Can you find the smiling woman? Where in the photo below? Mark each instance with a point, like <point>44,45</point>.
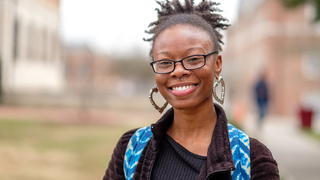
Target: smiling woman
<point>186,88</point>
<point>193,139</point>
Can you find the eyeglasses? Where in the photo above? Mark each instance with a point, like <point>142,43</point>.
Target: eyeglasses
<point>166,66</point>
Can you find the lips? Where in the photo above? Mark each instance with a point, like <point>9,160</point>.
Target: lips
<point>183,89</point>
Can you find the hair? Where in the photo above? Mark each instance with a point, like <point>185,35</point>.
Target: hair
<point>205,15</point>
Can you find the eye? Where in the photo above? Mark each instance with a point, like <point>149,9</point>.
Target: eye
<point>194,59</point>
<point>164,63</point>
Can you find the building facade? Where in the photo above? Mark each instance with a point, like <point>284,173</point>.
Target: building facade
<point>30,48</point>
<point>283,44</point>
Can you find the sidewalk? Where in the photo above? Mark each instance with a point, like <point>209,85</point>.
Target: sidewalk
<point>298,155</point>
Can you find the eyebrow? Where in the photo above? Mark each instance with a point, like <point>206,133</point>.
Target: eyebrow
<point>195,48</point>
<point>187,51</point>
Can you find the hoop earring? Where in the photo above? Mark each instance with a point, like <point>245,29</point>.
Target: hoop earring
<point>158,108</point>
<point>223,87</point>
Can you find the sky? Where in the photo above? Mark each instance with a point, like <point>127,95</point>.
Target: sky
<point>116,26</point>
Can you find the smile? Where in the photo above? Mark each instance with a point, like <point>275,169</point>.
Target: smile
<point>182,90</point>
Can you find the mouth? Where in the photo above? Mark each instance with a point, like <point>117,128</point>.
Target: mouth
<point>183,89</point>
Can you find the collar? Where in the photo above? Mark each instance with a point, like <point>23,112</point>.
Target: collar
<point>219,157</point>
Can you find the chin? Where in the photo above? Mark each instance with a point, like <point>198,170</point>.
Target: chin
<point>184,105</point>
<point>190,104</point>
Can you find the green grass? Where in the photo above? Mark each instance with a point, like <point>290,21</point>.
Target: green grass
<point>313,134</point>
<point>41,150</point>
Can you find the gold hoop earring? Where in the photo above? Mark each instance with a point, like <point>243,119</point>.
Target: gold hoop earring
<point>158,108</point>
<point>223,87</point>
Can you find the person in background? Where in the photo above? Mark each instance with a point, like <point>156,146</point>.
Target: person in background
<point>193,139</point>
<point>261,94</point>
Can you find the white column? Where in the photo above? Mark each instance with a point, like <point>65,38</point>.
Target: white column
<point>9,10</point>
<point>1,25</point>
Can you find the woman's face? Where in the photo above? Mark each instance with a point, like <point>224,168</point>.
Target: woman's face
<point>182,88</point>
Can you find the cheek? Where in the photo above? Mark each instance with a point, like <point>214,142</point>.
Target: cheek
<point>161,85</point>
<point>160,81</point>
<point>157,79</point>
<point>208,79</point>
<point>208,73</point>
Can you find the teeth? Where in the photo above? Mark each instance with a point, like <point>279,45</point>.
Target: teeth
<point>182,88</point>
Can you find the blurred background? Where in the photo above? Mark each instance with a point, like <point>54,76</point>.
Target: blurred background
<point>74,76</point>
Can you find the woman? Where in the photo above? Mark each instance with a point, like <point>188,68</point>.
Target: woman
<point>192,140</point>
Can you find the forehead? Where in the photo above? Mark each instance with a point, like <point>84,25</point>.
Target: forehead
<point>181,37</point>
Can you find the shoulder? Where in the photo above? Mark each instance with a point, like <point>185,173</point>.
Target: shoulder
<point>123,142</point>
<point>115,167</point>
<point>259,149</point>
<point>124,139</point>
<point>263,165</point>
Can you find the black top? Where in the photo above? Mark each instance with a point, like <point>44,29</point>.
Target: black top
<point>219,157</point>
<point>176,161</point>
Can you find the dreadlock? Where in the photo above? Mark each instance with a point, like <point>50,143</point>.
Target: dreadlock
<point>205,15</point>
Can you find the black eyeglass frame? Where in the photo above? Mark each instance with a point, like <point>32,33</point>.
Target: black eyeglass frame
<point>181,61</point>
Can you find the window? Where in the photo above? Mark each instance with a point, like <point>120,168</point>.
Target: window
<point>15,42</point>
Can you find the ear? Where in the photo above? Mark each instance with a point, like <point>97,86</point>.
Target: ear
<point>218,65</point>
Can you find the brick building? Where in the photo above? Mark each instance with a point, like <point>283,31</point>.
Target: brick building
<point>87,70</point>
<point>283,43</point>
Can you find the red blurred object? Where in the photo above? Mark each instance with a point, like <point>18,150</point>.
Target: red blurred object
<point>306,115</point>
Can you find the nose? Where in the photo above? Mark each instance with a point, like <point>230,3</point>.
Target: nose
<point>180,71</point>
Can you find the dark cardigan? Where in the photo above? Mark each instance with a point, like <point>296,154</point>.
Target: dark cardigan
<point>219,158</point>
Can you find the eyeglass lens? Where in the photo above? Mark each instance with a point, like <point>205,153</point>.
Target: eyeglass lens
<point>189,63</point>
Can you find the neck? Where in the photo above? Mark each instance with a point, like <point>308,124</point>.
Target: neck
<point>195,122</point>
<point>193,127</point>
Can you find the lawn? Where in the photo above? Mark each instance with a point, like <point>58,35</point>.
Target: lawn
<point>38,150</point>
<point>313,134</point>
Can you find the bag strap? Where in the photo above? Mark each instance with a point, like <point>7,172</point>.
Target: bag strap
<point>239,144</point>
<point>136,145</point>
<point>240,149</point>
